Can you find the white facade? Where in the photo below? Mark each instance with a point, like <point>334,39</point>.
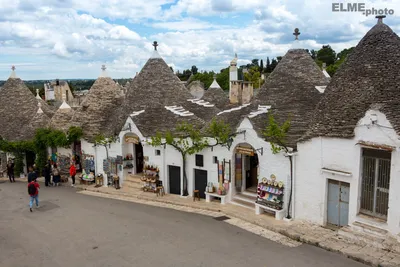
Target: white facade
<point>318,156</point>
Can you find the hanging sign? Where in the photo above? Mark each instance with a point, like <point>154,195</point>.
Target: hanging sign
<point>132,139</point>
<point>245,151</point>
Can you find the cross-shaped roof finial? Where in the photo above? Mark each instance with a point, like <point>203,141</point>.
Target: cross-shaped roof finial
<point>13,67</point>
<point>155,44</point>
<point>380,18</point>
<point>103,67</point>
<point>296,33</point>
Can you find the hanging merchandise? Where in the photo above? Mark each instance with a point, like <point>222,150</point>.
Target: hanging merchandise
<point>270,193</point>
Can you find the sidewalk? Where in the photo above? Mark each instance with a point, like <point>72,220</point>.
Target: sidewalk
<point>299,231</point>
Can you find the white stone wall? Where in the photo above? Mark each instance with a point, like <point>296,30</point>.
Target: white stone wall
<point>344,155</point>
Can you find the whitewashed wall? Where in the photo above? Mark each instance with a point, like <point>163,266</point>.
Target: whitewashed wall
<point>344,155</point>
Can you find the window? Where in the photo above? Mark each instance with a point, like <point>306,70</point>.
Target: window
<point>215,159</point>
<point>199,160</point>
<point>375,181</point>
<point>158,152</point>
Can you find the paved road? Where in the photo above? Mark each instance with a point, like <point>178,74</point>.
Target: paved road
<point>71,229</point>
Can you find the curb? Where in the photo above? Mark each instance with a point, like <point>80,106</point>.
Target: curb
<point>285,232</point>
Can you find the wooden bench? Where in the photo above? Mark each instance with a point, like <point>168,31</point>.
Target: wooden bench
<point>210,196</point>
<point>279,214</point>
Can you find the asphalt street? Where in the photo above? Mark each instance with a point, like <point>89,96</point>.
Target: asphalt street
<point>70,229</point>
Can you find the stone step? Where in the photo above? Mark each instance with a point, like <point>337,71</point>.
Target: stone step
<point>361,238</point>
<point>244,204</point>
<point>369,229</point>
<point>246,198</point>
<point>250,194</point>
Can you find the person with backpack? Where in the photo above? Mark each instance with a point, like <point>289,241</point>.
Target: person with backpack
<point>72,172</point>
<point>56,175</point>
<point>31,175</point>
<point>33,191</point>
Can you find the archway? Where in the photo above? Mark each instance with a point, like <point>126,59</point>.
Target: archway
<point>246,169</point>
<point>133,154</point>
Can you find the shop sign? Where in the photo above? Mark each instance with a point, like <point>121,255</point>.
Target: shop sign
<point>245,151</point>
<point>132,139</point>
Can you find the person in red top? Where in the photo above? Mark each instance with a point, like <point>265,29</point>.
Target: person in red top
<point>33,191</point>
<point>72,172</point>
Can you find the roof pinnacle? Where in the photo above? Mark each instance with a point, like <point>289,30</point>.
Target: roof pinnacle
<point>380,19</point>
<point>13,67</point>
<point>103,67</point>
<point>296,33</point>
<point>155,44</point>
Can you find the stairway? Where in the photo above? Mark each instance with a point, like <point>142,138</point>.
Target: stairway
<point>245,199</point>
<point>366,234</point>
<point>132,181</point>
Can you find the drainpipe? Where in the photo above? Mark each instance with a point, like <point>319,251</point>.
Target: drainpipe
<point>290,208</point>
<point>165,169</point>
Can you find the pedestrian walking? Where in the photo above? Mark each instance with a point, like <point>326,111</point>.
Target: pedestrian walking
<point>33,191</point>
<point>31,175</point>
<point>72,172</point>
<point>10,171</point>
<point>47,174</point>
<point>56,175</point>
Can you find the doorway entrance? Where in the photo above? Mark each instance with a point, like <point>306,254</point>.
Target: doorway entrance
<point>30,159</point>
<point>200,181</point>
<point>338,203</point>
<point>139,157</point>
<point>174,179</point>
<point>246,169</point>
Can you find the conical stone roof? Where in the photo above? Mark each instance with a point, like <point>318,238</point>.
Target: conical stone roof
<point>40,120</point>
<point>157,88</point>
<point>214,94</point>
<point>47,109</point>
<point>370,77</point>
<point>17,107</point>
<point>100,103</point>
<point>64,118</point>
<point>291,91</point>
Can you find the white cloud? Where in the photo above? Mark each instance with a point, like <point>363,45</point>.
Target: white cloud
<point>68,35</point>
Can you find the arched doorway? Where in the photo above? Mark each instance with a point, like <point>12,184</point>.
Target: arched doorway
<point>246,169</point>
<point>133,154</point>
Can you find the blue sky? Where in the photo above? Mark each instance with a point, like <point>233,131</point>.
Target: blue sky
<point>49,39</point>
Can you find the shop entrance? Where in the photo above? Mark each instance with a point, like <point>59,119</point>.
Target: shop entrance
<point>174,179</point>
<point>139,157</point>
<point>246,169</point>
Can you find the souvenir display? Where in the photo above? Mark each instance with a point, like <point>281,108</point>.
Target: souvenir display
<point>270,193</point>
<point>150,178</point>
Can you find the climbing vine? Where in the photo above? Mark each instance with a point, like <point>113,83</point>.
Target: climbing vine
<point>44,138</point>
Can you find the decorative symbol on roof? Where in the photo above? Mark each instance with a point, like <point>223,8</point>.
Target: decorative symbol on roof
<point>103,67</point>
<point>13,67</point>
<point>179,111</point>
<point>380,18</point>
<point>261,110</point>
<point>155,44</point>
<point>201,102</point>
<point>296,33</point>
<point>233,109</point>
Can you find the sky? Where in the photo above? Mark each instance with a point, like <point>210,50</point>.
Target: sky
<point>71,39</point>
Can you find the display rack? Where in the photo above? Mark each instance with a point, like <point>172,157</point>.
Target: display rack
<point>150,179</point>
<point>270,194</point>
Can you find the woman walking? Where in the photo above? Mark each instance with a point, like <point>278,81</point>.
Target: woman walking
<point>47,174</point>
<point>56,175</point>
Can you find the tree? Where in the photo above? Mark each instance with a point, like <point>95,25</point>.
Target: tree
<point>206,78</point>
<point>101,140</point>
<point>268,68</point>
<point>188,140</point>
<point>278,59</point>
<point>253,75</point>
<point>194,70</point>
<point>276,135</point>
<point>341,57</point>
<point>274,63</point>
<point>261,69</point>
<point>254,62</point>
<point>223,79</point>
<point>326,55</point>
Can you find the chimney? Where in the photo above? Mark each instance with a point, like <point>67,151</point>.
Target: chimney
<point>247,92</point>
<point>380,19</point>
<point>234,92</point>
